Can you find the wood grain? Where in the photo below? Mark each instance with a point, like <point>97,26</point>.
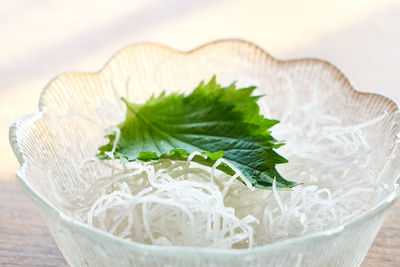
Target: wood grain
<point>25,240</point>
<point>385,250</point>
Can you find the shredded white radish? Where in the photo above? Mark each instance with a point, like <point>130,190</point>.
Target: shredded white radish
<point>332,160</point>
<point>155,205</point>
<point>185,204</point>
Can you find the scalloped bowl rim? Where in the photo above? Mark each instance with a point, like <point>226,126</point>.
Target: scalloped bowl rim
<point>50,208</point>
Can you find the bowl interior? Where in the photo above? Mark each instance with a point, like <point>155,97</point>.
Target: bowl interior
<point>52,143</point>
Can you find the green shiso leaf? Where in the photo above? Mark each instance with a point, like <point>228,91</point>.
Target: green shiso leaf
<point>217,121</point>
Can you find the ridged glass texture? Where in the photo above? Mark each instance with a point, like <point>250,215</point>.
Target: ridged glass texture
<point>51,143</point>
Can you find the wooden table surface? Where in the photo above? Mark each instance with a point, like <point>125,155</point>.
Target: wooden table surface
<point>25,240</point>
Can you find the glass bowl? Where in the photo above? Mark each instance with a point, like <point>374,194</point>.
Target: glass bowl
<point>51,143</point>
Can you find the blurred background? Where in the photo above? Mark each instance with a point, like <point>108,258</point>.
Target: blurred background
<point>42,38</point>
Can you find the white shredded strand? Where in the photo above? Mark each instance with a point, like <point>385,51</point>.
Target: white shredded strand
<point>183,203</point>
<point>190,158</point>
<point>333,160</point>
<point>179,209</point>
<point>237,171</point>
